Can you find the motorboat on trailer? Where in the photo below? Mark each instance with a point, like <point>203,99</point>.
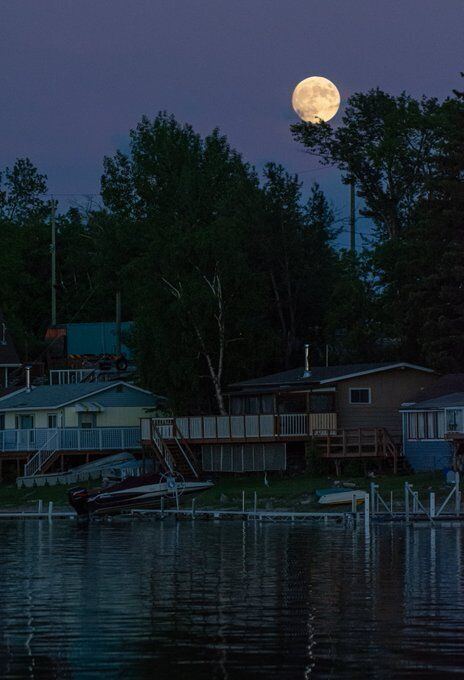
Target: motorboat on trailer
<point>145,492</point>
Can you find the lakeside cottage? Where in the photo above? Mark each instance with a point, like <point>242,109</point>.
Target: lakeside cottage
<point>344,412</point>
<point>433,426</point>
<point>41,424</point>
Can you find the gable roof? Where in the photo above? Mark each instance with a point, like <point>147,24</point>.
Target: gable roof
<point>8,354</point>
<point>57,396</point>
<point>320,375</point>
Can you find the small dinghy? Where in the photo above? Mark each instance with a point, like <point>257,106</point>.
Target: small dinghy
<point>134,493</point>
<point>344,497</point>
<point>332,489</point>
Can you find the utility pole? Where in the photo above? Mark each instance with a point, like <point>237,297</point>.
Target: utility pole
<point>53,254</point>
<point>353,215</point>
<point>118,322</point>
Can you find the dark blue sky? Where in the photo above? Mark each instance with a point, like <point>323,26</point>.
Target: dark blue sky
<point>76,75</point>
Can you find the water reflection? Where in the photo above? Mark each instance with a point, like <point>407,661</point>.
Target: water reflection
<point>229,600</point>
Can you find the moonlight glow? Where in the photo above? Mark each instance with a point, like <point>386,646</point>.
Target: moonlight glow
<point>315,99</point>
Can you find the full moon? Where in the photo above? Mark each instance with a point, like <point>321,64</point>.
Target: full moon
<point>315,99</point>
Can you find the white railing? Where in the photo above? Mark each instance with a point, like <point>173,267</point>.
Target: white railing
<point>38,460</point>
<point>158,440</point>
<point>70,439</point>
<point>293,424</point>
<point>243,427</point>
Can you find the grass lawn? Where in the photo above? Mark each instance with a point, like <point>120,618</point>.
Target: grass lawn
<point>298,492</point>
<point>295,493</point>
<point>26,499</point>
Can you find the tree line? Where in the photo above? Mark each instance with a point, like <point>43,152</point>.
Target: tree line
<point>227,274</point>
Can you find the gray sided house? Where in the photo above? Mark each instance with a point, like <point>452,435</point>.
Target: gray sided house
<point>349,411</point>
<point>433,425</point>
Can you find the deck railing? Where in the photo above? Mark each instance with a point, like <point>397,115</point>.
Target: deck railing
<point>244,427</point>
<point>70,439</point>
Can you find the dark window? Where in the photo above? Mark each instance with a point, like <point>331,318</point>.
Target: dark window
<point>2,421</point>
<point>360,395</point>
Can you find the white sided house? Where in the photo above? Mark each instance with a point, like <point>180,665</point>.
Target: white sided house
<point>82,417</point>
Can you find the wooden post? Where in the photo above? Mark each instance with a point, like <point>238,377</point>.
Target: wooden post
<point>243,501</point>
<point>372,495</point>
<point>255,502</point>
<point>50,509</point>
<point>193,508</point>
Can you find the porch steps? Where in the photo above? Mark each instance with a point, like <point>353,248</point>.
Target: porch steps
<point>173,452</point>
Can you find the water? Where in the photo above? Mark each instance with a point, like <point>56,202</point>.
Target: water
<point>229,600</point>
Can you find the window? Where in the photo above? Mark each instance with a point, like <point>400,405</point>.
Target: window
<point>454,420</point>
<point>2,421</point>
<point>426,425</point>
<point>52,421</point>
<point>24,422</point>
<point>360,395</point>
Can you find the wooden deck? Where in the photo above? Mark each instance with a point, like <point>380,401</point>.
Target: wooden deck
<point>331,443</point>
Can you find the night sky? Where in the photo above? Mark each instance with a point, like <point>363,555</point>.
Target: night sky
<point>76,75</point>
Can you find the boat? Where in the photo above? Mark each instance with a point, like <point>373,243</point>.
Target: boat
<point>343,497</point>
<point>332,489</point>
<point>144,492</point>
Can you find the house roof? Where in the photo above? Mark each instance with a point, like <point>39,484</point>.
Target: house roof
<point>320,375</point>
<point>437,403</point>
<point>8,353</point>
<point>56,396</point>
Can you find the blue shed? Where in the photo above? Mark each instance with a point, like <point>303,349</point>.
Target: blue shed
<point>96,338</point>
<point>433,432</point>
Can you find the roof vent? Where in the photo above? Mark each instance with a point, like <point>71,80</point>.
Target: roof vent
<point>307,370</point>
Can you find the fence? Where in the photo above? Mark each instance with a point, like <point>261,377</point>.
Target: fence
<point>70,439</point>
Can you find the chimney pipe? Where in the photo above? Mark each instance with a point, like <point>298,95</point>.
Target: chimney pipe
<point>28,378</point>
<point>307,371</point>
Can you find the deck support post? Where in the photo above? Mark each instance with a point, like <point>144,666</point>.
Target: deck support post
<point>243,501</point>
<point>50,509</point>
<point>337,467</point>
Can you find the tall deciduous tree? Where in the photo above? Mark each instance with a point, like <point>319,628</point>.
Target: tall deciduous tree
<point>189,208</point>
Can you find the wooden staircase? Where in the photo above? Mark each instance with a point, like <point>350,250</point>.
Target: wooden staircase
<point>173,452</point>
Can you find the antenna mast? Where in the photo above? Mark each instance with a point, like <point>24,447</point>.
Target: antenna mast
<point>53,254</point>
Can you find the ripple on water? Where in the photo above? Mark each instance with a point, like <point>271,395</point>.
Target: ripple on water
<point>229,600</point>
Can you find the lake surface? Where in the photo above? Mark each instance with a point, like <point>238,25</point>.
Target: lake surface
<point>229,600</point>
